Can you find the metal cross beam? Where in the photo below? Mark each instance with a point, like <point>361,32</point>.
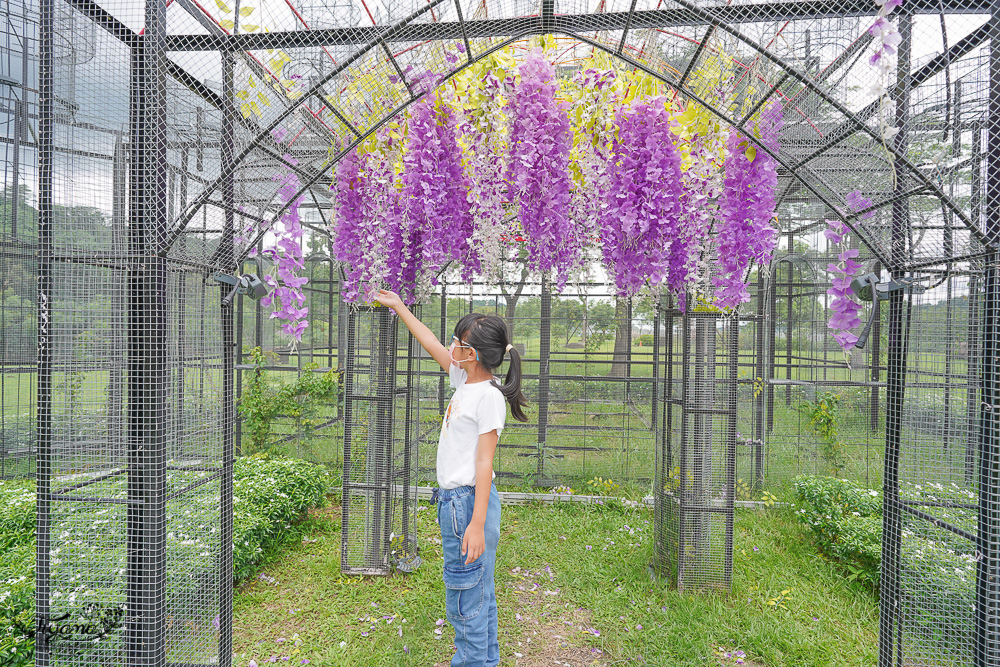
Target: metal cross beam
<point>548,22</point>
<point>935,65</point>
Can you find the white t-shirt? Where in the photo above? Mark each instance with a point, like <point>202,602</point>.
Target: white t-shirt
<point>474,409</point>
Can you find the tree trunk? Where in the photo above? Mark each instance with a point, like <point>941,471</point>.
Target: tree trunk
<point>623,335</point>
<point>511,310</point>
<point>512,298</point>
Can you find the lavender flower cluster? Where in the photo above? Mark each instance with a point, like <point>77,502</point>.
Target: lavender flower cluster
<point>538,177</point>
<point>438,219</point>
<point>747,207</point>
<point>286,254</point>
<point>641,194</point>
<point>641,221</point>
<point>846,310</point>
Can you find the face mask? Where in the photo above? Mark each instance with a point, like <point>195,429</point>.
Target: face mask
<point>451,353</point>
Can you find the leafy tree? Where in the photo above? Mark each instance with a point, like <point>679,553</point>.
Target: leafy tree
<point>601,325</point>
<point>567,318</point>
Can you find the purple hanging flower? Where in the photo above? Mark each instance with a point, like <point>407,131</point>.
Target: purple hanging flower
<point>353,223</point>
<point>538,178</point>
<point>746,208</point>
<point>642,215</point>
<point>484,130</point>
<point>287,256</point>
<point>594,128</point>
<point>846,310</point>
<point>438,223</point>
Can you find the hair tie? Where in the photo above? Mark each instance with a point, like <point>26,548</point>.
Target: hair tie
<point>508,348</point>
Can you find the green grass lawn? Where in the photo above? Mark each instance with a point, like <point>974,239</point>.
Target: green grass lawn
<point>560,601</point>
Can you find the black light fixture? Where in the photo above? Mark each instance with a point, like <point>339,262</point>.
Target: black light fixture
<point>868,288</point>
<point>248,284</point>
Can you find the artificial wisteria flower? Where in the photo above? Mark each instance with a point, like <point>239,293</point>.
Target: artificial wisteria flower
<point>846,309</point>
<point>538,178</point>
<point>435,193</point>
<point>593,120</point>
<point>484,131</point>
<point>287,256</point>
<point>746,208</point>
<point>642,215</point>
<point>353,224</point>
<point>383,250</point>
<point>702,186</point>
<point>887,39</point>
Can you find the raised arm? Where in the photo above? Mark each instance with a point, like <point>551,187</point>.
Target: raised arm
<point>420,331</point>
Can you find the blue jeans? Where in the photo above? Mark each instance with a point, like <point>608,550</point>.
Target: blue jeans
<point>470,597</point>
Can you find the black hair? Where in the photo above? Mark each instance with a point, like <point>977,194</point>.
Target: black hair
<point>489,336</point>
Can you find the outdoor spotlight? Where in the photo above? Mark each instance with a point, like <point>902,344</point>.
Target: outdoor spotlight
<point>255,286</point>
<point>248,284</point>
<point>868,288</point>
<point>864,287</point>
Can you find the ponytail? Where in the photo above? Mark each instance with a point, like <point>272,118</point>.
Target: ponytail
<point>511,387</point>
<point>489,336</point>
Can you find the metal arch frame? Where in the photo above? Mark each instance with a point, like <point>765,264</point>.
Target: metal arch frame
<point>848,116</point>
<point>799,171</point>
<point>568,25</point>
<point>316,89</point>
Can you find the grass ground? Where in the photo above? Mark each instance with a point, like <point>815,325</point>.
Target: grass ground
<point>560,601</point>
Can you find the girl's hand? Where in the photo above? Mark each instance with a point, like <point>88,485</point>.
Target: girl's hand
<point>474,542</point>
<point>389,299</point>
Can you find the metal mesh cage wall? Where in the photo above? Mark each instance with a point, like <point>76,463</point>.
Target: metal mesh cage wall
<point>813,55</point>
<point>381,448</point>
<point>316,433</point>
<point>18,237</point>
<point>696,460</point>
<point>135,395</point>
<point>589,365</point>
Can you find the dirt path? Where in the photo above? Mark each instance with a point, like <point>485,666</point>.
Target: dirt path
<point>549,632</point>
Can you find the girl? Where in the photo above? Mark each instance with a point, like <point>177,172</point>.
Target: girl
<point>467,500</point>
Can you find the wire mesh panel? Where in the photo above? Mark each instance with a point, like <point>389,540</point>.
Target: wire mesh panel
<point>933,519</point>
<point>380,449</point>
<point>166,139</point>
<point>588,369</point>
<point>135,393</point>
<point>18,237</point>
<point>804,369</point>
<point>696,466</point>
<point>315,433</point>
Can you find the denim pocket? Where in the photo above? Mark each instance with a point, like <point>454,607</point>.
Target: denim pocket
<point>458,523</point>
<point>464,590</point>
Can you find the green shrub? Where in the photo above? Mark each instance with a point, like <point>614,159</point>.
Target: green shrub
<point>17,518</point>
<point>17,602</point>
<point>268,495</point>
<point>264,400</point>
<point>823,420</point>
<point>827,501</point>
<point>846,521</point>
<point>859,546</point>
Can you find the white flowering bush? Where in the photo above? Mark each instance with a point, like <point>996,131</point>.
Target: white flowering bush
<point>937,566</point>
<point>938,584</point>
<point>846,520</point>
<point>826,501</point>
<point>268,495</point>
<point>17,570</point>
